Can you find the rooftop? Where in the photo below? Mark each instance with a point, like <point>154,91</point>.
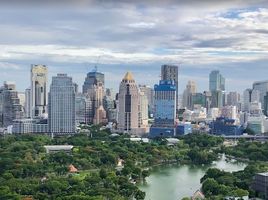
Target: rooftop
<point>58,147</point>
<point>128,77</point>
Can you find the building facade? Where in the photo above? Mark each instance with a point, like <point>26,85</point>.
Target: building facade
<point>38,90</point>
<point>165,109</point>
<point>129,116</point>
<point>170,72</point>
<point>11,109</point>
<point>61,112</point>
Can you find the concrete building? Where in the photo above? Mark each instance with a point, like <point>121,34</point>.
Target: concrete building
<point>38,90</point>
<point>26,126</point>
<point>144,108</point>
<point>260,184</point>
<point>28,105</point>
<point>246,99</point>
<point>188,94</point>
<point>94,88</point>
<point>229,112</point>
<point>262,87</point>
<point>61,112</point>
<point>170,72</point>
<point>233,98</point>
<point>149,93</point>
<point>165,109</point>
<point>93,78</point>
<point>11,109</point>
<point>225,126</point>
<point>129,116</point>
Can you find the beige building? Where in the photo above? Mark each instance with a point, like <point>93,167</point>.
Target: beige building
<point>38,90</point>
<point>129,108</point>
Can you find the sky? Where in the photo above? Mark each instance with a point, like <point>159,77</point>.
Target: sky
<point>138,36</point>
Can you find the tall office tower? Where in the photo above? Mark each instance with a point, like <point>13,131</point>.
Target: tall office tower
<point>170,72</point>
<point>216,81</point>
<point>129,117</point>
<point>39,90</point>
<point>266,104</point>
<point>61,105</point>
<point>208,99</point>
<point>28,99</point>
<point>11,107</point>
<point>165,110</point>
<point>217,88</point>
<point>94,88</point>
<point>144,109</point>
<point>216,99</point>
<point>233,99</point>
<point>188,93</point>
<point>165,103</point>
<point>80,108</point>
<point>262,87</point>
<point>93,78</point>
<point>149,93</point>
<point>247,99</point>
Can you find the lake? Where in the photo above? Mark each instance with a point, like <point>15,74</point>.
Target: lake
<point>173,182</point>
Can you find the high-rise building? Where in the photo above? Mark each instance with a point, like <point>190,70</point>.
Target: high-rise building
<point>188,94</point>
<point>262,87</point>
<point>233,98</point>
<point>217,99</point>
<point>93,78</point>
<point>266,104</point>
<point>149,93</point>
<point>165,109</point>
<point>246,99</point>
<point>39,90</point>
<point>28,99</point>
<point>170,72</point>
<point>94,88</point>
<point>10,104</point>
<point>199,99</point>
<point>217,88</point>
<point>61,105</point>
<point>129,116</point>
<point>216,81</point>
<point>144,109</point>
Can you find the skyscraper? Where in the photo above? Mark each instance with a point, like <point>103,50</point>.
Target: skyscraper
<point>93,78</point>
<point>170,72</point>
<point>262,87</point>
<point>10,104</point>
<point>217,88</point>
<point>149,93</point>
<point>188,93</point>
<point>28,100</point>
<point>165,109</point>
<point>233,99</point>
<point>94,88</point>
<point>129,116</point>
<point>216,81</point>
<point>38,90</point>
<point>61,105</point>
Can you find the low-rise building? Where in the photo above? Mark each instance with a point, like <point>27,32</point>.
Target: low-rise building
<point>58,148</point>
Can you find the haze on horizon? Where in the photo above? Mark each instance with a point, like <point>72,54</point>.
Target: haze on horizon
<point>117,36</point>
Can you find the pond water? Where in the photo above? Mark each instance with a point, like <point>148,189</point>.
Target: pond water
<point>173,182</point>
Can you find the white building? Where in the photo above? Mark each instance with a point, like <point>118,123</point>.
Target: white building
<point>61,112</point>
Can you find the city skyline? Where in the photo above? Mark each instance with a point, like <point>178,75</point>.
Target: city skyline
<point>229,36</point>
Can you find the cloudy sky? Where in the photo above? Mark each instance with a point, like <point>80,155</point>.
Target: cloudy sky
<point>118,36</point>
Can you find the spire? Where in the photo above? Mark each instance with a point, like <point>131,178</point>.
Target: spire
<point>128,77</point>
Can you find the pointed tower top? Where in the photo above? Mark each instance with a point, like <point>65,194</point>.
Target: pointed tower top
<point>128,77</point>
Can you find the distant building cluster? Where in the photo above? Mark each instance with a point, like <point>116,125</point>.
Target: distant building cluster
<point>135,109</point>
